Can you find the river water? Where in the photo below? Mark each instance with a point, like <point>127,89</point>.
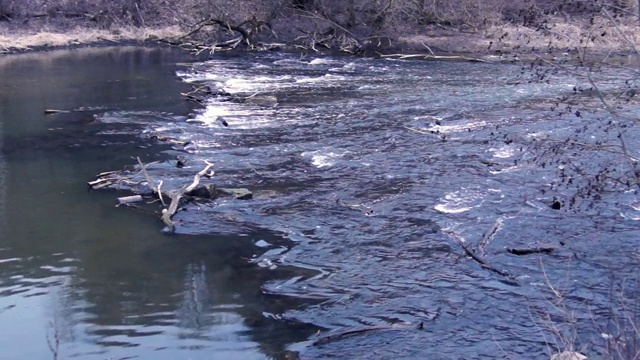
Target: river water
<point>367,175</point>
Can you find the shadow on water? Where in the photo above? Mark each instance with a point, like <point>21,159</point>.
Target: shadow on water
<point>105,281</point>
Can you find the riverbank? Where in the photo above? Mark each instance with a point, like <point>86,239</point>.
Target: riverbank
<point>12,41</point>
<point>573,30</point>
<point>559,40</point>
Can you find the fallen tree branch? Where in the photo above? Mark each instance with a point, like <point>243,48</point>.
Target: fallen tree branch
<point>189,192</point>
<point>173,208</point>
<point>150,182</point>
<point>152,185</point>
<point>547,249</point>
<point>196,178</point>
<point>246,29</point>
<point>176,196</point>
<point>480,260</point>
<point>349,332</point>
<point>126,200</point>
<point>489,235</point>
<point>433,57</point>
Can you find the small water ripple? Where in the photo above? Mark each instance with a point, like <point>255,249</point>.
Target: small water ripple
<point>376,169</point>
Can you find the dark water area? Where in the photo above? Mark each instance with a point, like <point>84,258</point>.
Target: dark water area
<point>367,175</point>
<point>106,282</point>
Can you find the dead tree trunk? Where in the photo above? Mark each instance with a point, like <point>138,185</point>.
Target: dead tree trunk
<point>132,10</point>
<point>4,13</point>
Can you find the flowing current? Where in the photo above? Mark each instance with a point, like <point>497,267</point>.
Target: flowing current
<point>369,177</point>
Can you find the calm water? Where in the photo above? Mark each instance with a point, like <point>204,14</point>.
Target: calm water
<point>354,222</point>
<point>105,281</point>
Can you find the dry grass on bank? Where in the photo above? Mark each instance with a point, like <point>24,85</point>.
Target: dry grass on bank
<point>603,35</point>
<point>506,38</point>
<point>24,41</point>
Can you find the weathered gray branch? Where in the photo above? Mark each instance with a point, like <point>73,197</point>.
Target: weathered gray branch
<point>151,183</point>
<point>480,260</point>
<point>198,176</point>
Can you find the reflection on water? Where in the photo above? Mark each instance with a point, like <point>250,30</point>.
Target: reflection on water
<point>3,179</point>
<point>195,302</point>
<point>98,282</point>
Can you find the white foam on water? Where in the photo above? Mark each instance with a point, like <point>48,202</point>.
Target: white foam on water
<point>459,126</point>
<point>322,62</point>
<point>460,201</point>
<point>191,77</point>
<point>368,87</point>
<point>325,78</point>
<point>349,68</point>
<point>632,212</point>
<point>503,152</point>
<point>286,62</point>
<point>256,84</point>
<point>325,157</point>
<point>237,117</point>
<point>505,170</point>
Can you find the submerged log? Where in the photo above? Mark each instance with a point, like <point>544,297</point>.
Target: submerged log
<point>548,249</point>
<point>470,252</point>
<point>362,330</point>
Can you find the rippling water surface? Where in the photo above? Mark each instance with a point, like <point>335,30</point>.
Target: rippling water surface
<point>366,173</point>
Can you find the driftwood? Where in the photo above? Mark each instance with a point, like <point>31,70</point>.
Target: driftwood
<point>480,260</point>
<point>171,199</point>
<point>489,235</point>
<point>114,178</point>
<point>175,196</point>
<point>433,57</point>
<point>173,208</point>
<point>198,176</point>
<point>150,182</point>
<point>125,200</point>
<point>109,178</point>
